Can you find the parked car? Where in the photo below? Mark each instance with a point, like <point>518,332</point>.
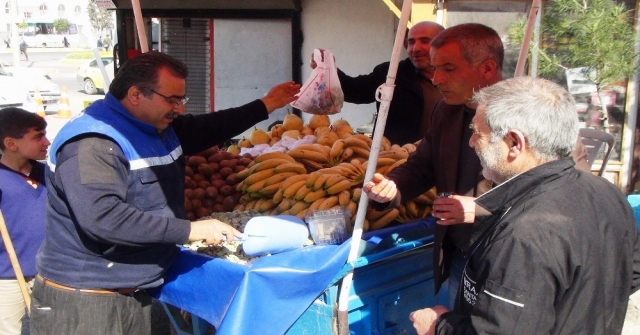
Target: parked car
<point>90,76</point>
<point>14,94</point>
<point>34,79</point>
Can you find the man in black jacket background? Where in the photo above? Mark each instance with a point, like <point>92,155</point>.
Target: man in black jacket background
<point>414,95</point>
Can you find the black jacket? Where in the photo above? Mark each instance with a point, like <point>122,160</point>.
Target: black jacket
<point>554,257</point>
<point>407,109</point>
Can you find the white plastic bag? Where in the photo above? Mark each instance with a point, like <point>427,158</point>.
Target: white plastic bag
<point>321,93</point>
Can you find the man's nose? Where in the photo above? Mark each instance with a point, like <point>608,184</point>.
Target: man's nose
<point>437,77</point>
<point>180,109</point>
<point>472,140</point>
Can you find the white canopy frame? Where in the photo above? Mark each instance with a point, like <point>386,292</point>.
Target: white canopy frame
<point>384,94</point>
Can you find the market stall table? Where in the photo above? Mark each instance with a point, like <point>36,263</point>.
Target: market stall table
<point>295,292</point>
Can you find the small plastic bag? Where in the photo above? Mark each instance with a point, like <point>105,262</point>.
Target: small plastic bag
<point>321,93</point>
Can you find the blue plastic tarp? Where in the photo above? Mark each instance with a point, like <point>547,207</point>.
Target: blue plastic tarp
<point>634,201</point>
<point>265,296</point>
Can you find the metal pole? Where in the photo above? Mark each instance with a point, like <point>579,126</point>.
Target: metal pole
<point>535,52</point>
<point>524,49</point>
<point>384,94</point>
<point>15,39</point>
<point>631,116</point>
<point>142,35</point>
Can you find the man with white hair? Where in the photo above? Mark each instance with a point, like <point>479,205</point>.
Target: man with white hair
<point>555,252</point>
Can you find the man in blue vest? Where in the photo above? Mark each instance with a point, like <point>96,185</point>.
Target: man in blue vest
<point>116,210</point>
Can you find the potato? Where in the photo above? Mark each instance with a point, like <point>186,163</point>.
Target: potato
<point>216,158</point>
<point>219,183</point>
<point>226,172</point>
<point>190,216</point>
<point>227,190</point>
<point>194,161</point>
<point>190,183</point>
<point>208,203</point>
<point>232,179</point>
<point>203,211</point>
<point>215,167</point>
<point>199,193</point>
<point>203,184</point>
<point>188,171</point>
<point>230,163</point>
<point>205,170</point>
<point>244,161</point>
<point>208,152</point>
<point>212,192</point>
<point>229,202</point>
<point>219,199</point>
<point>188,193</point>
<point>226,155</point>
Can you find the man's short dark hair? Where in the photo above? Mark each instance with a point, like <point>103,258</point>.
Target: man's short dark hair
<point>142,71</point>
<point>16,122</point>
<point>477,42</point>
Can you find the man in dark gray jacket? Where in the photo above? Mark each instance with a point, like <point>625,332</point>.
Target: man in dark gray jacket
<point>554,253</point>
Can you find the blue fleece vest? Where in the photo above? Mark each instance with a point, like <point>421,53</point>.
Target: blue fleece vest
<point>155,186</point>
<point>141,143</point>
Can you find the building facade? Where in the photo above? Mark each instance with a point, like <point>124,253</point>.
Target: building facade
<point>38,15</point>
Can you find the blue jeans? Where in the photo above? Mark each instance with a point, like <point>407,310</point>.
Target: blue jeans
<point>455,274</point>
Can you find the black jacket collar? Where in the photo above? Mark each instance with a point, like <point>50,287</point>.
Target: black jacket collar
<point>498,200</point>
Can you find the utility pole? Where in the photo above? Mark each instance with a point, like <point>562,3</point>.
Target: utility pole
<point>15,42</point>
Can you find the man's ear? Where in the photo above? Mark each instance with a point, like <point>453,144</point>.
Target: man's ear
<point>516,142</point>
<point>489,68</point>
<point>10,144</point>
<point>134,94</point>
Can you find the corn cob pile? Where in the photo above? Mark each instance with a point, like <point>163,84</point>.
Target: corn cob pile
<point>323,176</point>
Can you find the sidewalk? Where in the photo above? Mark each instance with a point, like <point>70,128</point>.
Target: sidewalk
<point>632,319</point>
<point>38,50</point>
<point>65,60</point>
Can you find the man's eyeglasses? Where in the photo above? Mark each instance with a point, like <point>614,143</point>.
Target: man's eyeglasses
<point>177,101</point>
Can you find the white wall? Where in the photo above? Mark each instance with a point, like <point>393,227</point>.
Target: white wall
<point>360,34</point>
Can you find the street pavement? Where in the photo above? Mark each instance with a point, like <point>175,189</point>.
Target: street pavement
<point>632,319</point>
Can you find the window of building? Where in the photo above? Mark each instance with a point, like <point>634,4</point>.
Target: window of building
<point>43,9</point>
<point>77,10</point>
<point>7,8</point>
<point>61,10</point>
